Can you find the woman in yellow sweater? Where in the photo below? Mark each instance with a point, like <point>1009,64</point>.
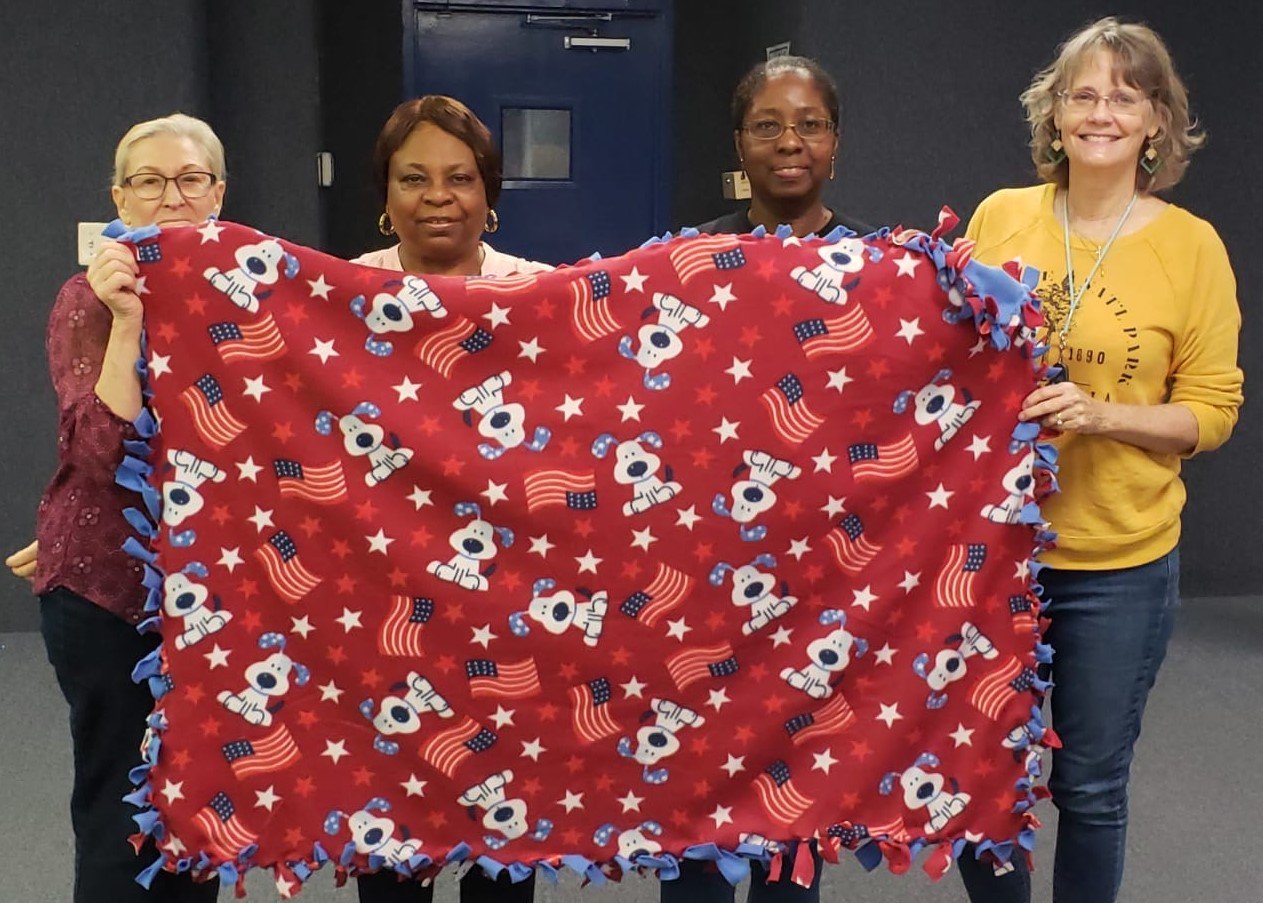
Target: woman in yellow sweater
<point>1143,318</point>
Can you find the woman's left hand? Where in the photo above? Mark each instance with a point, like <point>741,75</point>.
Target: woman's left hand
<point>1064,407</point>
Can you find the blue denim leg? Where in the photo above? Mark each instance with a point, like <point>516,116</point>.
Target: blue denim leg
<point>699,884</point>
<point>1109,630</point>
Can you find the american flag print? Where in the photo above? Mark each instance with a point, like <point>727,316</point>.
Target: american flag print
<point>664,594</point>
<point>209,412</point>
<point>792,418</point>
<point>288,576</point>
<point>274,751</point>
<point>998,688</point>
<point>257,341</point>
<point>323,484</point>
<point>590,311</point>
<point>574,489</point>
<point>954,585</point>
<point>688,666</point>
<point>1022,610</point>
<point>852,550</point>
<point>445,348</point>
<point>402,630</point>
<point>827,336</point>
<point>225,834</point>
<point>707,254</point>
<point>149,252</point>
<point>503,285</point>
<point>780,799</point>
<point>831,719</point>
<point>590,711</point>
<point>870,461</point>
<point>446,750</point>
<point>510,680</point>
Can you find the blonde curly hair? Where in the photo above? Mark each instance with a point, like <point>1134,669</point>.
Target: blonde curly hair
<point>1140,59</point>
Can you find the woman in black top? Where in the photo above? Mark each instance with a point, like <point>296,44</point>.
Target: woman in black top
<point>785,128</point>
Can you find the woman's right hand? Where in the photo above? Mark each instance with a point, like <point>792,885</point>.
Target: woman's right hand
<point>113,276</point>
<point>22,562</point>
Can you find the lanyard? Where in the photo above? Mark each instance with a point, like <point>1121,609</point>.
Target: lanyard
<point>1077,296</point>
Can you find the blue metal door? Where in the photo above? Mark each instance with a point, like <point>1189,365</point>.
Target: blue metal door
<point>579,103</point>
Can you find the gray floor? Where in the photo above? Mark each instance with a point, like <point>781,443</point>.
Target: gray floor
<point>1196,802</point>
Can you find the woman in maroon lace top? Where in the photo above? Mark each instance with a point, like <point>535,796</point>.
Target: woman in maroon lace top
<point>167,172</point>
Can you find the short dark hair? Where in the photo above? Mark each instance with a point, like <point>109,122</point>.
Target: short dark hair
<point>451,116</point>
<point>754,80</point>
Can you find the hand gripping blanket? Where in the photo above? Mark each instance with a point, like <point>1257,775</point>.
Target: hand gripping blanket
<point>703,551</point>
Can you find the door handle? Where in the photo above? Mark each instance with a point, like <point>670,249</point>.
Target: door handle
<point>583,42</point>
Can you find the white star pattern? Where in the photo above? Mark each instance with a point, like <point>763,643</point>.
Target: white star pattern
<point>909,329</point>
<point>781,637</point>
<point>324,350</point>
<point>350,620</point>
<point>503,716</point>
<point>722,815</point>
<point>838,380</point>
<point>910,581</point>
<point>834,507</point>
<point>824,760</point>
<point>798,548</point>
<point>726,430</point>
<point>677,629</point>
<point>907,264</point>
<point>571,407</point>
<point>885,655</point>
<point>407,390</point>
<point>588,562</point>
<point>531,349</point>
<point>962,736</point>
<point>571,801</point>
<point>687,517</point>
<point>541,546</point>
<point>159,364</point>
<point>889,714</point>
<point>938,498</point>
<point>495,493</point>
<point>230,558</point>
<point>634,281</point>
<point>630,409</point>
<point>532,749</point>
<point>824,461</point>
<point>261,518</point>
<point>717,699</point>
<point>739,370</point>
<point>217,657</point>
<point>319,288</point>
<point>210,231</point>
<point>642,539</point>
<point>335,750</point>
<point>723,296</point>
<point>864,597</point>
<point>301,626</point>
<point>330,692</point>
<point>266,799</point>
<point>173,790</point>
<point>483,635</point>
<point>420,497</point>
<point>733,765</point>
<point>413,786</point>
<point>248,470</point>
<point>497,316</point>
<point>631,802</point>
<point>634,687</point>
<point>378,541</point>
<point>980,446</point>
<point>256,388</point>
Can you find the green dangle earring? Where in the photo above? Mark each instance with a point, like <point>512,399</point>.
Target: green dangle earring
<point>1056,151</point>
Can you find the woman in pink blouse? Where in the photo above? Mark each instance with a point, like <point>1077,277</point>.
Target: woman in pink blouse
<point>168,172</point>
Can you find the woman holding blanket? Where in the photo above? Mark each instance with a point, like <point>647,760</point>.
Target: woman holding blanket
<point>1142,311</point>
<point>167,172</point>
<point>438,171</point>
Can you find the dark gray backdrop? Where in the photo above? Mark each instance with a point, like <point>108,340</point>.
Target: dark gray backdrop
<point>930,116</point>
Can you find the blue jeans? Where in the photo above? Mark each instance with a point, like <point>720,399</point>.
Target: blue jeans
<point>1109,631</point>
<point>697,884</point>
<point>92,652</point>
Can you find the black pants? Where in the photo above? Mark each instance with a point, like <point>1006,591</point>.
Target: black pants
<point>92,653</point>
<point>475,887</point>
<point>699,883</point>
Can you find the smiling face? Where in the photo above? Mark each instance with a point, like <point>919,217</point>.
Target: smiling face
<point>787,168</point>
<point>1100,138</point>
<point>166,155</point>
<point>436,198</point>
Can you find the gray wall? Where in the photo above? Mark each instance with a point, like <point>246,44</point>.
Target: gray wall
<point>929,117</point>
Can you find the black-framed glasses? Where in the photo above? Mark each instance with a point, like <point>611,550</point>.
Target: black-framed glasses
<point>149,186</point>
<point>810,129</point>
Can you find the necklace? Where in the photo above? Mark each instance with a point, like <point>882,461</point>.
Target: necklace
<point>1076,296</point>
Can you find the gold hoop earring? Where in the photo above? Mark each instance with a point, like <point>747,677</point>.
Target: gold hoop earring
<point>384,225</point>
<point>493,221</point>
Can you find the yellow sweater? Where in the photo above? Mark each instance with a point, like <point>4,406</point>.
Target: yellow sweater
<point>1158,324</point>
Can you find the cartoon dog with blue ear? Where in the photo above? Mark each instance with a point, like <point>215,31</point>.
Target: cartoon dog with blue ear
<point>503,423</point>
<point>924,790</point>
<point>561,611</point>
<point>935,403</point>
<point>374,836</point>
<point>475,543</point>
<point>756,590</point>
<point>658,741</point>
<point>402,714</point>
<point>394,313</point>
<point>258,265</point>
<point>660,342</point>
<point>181,494</point>
<point>266,682</point>
<point>506,817</point>
<point>636,466</point>
<point>950,664</point>
<point>827,658</point>
<point>366,440</point>
<point>186,599</point>
<point>633,843</point>
<point>754,495</point>
<point>838,272</point>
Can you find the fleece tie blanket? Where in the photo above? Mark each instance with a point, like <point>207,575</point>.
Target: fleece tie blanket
<point>707,550</point>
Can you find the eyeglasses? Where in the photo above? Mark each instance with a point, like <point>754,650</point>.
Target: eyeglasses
<point>1085,100</point>
<point>807,129</point>
<point>149,186</point>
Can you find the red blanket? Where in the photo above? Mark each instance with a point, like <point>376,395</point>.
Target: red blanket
<point>701,551</point>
